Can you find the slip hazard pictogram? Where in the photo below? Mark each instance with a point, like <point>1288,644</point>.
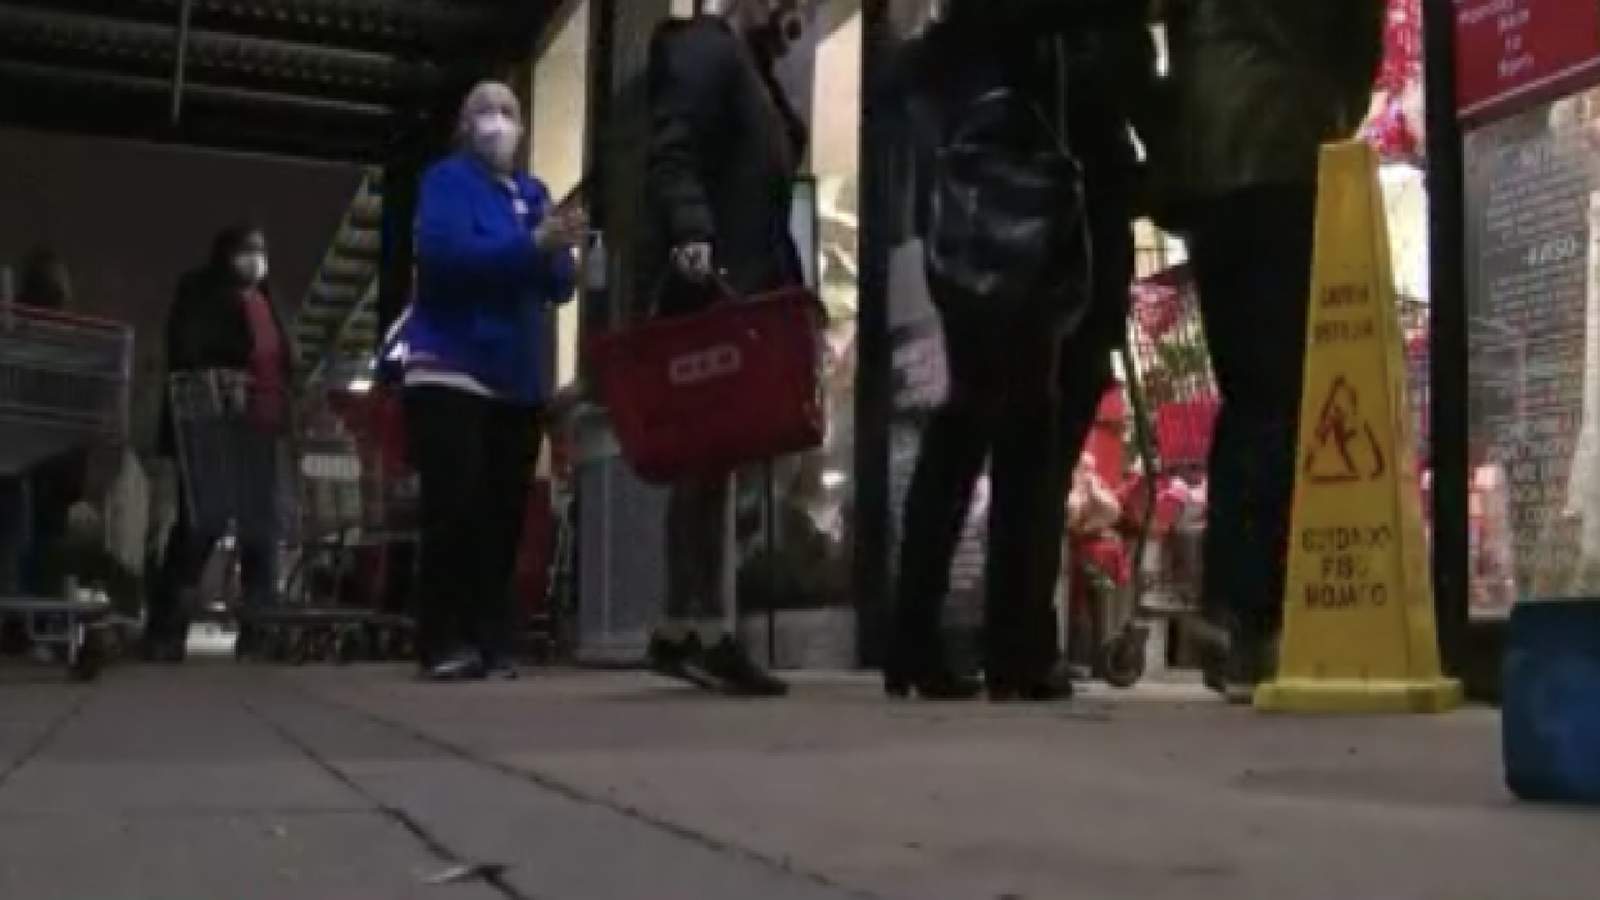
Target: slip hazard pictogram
<point>1344,447</point>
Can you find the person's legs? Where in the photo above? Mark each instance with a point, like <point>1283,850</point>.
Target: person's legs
<point>697,533</point>
<point>446,429</point>
<point>1085,371</point>
<point>1252,258</point>
<point>167,612</point>
<point>696,525</point>
<point>511,443</point>
<point>955,444</point>
<point>949,461</point>
<point>261,518</point>
<point>1024,523</point>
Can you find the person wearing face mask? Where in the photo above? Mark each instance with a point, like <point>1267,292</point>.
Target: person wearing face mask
<point>493,254</point>
<point>224,320</point>
<point>725,145</point>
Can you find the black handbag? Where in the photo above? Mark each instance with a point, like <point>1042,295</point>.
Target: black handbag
<point>1007,222</point>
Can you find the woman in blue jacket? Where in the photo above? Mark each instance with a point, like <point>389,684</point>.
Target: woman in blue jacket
<point>492,254</point>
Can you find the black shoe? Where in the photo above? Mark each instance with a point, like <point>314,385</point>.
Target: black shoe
<point>498,669</point>
<point>931,683</point>
<point>735,673</point>
<point>164,650</point>
<point>671,659</point>
<point>463,665</point>
<point>1251,660</point>
<point>1052,688</point>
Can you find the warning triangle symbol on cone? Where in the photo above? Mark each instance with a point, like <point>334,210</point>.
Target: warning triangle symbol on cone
<point>1346,448</point>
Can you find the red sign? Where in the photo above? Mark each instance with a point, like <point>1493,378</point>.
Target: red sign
<point>1510,52</point>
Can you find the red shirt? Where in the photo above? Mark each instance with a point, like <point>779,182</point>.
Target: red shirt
<point>268,400</point>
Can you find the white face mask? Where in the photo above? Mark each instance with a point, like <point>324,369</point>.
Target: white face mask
<point>251,267</point>
<point>495,136</point>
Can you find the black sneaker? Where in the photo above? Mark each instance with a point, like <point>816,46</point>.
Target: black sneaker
<point>501,670</point>
<point>1250,662</point>
<point>735,673</point>
<point>669,658</point>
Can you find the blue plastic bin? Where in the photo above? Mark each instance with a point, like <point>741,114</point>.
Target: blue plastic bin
<point>1551,722</point>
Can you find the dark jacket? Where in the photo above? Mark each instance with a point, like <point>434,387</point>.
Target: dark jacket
<point>724,149</point>
<point>1110,83</point>
<point>208,328</point>
<point>1260,85</point>
<point>483,287</point>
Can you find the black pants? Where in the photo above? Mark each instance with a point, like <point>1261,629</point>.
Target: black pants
<point>1251,253</point>
<point>1002,410</point>
<point>473,456</point>
<point>697,543</point>
<point>1085,371</point>
<point>1022,631</point>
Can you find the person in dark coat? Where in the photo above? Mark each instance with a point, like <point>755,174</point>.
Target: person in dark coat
<point>223,320</point>
<point>725,145</point>
<point>1023,393</point>
<point>1260,85</point>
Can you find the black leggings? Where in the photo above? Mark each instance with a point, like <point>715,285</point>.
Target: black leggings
<point>1252,261</point>
<point>1001,410</point>
<point>473,456</point>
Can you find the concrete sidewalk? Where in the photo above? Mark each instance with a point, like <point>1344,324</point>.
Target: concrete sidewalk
<point>215,781</point>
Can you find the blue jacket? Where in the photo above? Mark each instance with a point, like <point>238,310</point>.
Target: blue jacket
<point>482,285</point>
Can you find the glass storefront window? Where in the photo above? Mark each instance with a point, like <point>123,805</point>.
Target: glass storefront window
<point>811,570</point>
<point>1533,242</point>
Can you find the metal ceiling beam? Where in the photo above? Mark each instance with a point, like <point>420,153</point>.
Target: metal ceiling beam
<point>411,26</point>
<point>142,48</point>
<point>62,77</point>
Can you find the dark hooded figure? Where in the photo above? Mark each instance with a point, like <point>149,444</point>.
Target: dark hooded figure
<point>223,320</point>
<point>725,145</point>
<point>1026,379</point>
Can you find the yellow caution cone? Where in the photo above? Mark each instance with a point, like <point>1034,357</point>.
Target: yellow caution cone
<point>1359,633</point>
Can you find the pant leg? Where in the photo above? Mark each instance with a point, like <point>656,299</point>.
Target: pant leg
<point>1252,257</point>
<point>258,544</point>
<point>167,613</point>
<point>697,537</point>
<point>511,443</point>
<point>1024,531</point>
<point>445,429</point>
<point>954,447</point>
<point>1085,364</point>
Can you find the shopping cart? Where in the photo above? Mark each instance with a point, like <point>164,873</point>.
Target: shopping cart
<point>306,495</point>
<point>63,387</point>
<point>1166,372</point>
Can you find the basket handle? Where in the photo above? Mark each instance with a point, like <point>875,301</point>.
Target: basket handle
<point>718,282</point>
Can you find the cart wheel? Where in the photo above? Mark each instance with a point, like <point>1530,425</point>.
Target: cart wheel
<point>89,655</point>
<point>1122,659</point>
<point>297,647</point>
<point>351,647</point>
<point>249,643</point>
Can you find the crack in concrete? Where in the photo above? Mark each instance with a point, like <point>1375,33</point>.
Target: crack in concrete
<point>43,741</point>
<point>490,874</point>
<point>719,846</point>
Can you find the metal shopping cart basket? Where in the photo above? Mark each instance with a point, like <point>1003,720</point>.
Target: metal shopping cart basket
<point>301,494</point>
<point>1173,396</point>
<point>63,386</point>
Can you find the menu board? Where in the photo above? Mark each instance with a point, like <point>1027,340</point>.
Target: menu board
<point>1512,52</point>
<point>1533,202</point>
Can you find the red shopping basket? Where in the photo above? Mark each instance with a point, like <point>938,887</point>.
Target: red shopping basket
<point>707,393</point>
